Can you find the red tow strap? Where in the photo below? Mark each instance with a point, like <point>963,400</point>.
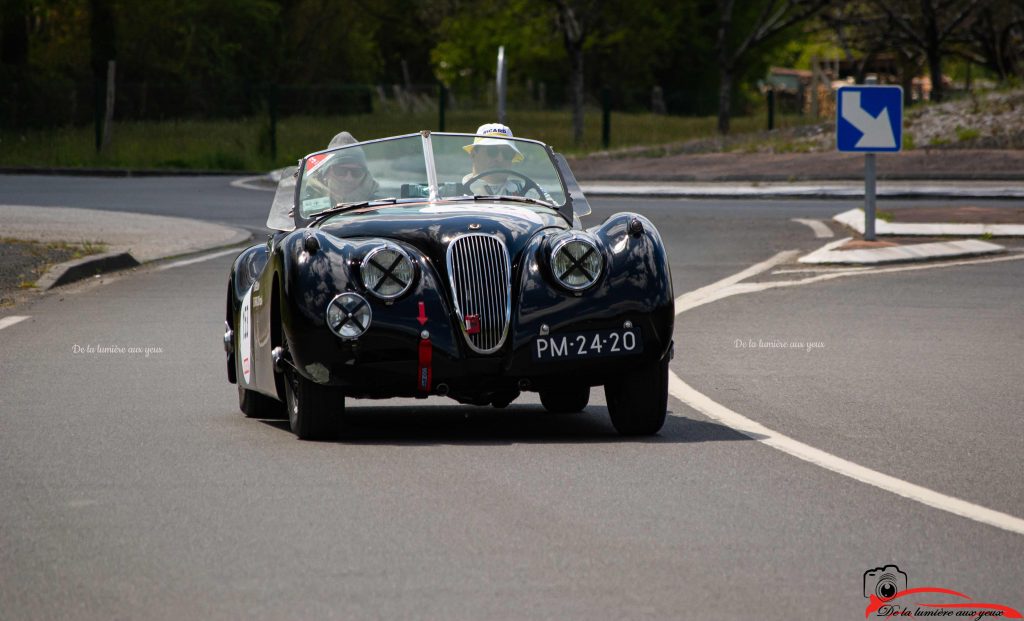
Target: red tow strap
<point>424,376</point>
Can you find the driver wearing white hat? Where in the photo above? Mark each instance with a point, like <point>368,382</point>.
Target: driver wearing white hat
<point>491,152</point>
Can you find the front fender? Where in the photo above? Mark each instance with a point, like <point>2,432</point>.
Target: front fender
<point>311,280</point>
<point>635,285</point>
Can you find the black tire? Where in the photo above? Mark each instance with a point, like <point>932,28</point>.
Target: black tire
<point>256,405</point>
<point>638,402</point>
<point>565,401</point>
<point>314,411</point>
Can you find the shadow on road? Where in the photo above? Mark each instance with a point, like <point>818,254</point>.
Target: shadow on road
<point>468,425</point>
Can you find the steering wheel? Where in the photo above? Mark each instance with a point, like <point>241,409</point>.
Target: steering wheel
<point>529,184</point>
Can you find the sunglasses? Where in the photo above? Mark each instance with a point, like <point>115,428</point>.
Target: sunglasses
<point>494,152</point>
<point>348,171</point>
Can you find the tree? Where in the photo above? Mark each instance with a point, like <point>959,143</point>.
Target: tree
<point>735,44</point>
<point>575,21</point>
<point>931,27</point>
<point>996,39</point>
<point>14,33</point>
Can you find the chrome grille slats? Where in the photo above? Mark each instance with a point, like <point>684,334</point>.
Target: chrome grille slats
<point>480,272</point>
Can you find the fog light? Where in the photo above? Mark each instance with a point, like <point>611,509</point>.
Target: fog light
<point>349,315</point>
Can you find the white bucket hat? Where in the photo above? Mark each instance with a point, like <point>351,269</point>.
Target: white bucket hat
<point>483,138</point>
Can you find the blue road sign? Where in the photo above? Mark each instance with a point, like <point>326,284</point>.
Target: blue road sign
<point>869,119</point>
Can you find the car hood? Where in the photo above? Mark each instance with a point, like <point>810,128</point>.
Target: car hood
<point>430,227</point>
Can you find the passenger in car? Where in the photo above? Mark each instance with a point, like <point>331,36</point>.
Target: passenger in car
<point>345,173</point>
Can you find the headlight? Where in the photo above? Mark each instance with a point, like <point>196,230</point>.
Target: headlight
<point>349,315</point>
<point>576,262</point>
<point>387,272</point>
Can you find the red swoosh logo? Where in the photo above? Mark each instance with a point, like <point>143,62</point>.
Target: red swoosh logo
<point>876,603</point>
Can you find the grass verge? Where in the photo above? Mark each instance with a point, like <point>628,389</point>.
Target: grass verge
<point>244,144</point>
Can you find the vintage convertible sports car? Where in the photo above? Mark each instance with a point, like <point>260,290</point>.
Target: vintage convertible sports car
<point>403,268</point>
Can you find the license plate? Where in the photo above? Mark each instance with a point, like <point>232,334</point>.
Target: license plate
<point>592,344</point>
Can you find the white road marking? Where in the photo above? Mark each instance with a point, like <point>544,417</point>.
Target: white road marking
<point>756,431</point>
<point>821,230</point>
<point>9,321</point>
<point>702,403</point>
<point>820,270</point>
<point>710,293</point>
<point>205,257</point>
<point>728,287</point>
<point>247,183</point>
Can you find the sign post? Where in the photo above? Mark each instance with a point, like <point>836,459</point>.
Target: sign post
<point>869,120</point>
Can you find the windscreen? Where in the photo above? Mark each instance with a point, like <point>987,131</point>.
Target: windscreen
<point>396,168</point>
<point>493,166</point>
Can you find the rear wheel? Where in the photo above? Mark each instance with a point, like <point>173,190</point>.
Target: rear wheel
<point>638,401</point>
<point>256,405</point>
<point>312,408</point>
<point>565,401</point>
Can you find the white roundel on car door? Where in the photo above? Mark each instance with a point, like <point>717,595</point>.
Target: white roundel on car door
<point>245,336</point>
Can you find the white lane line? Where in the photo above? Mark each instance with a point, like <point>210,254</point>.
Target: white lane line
<point>756,431</point>
<point>205,257</point>
<point>728,287</point>
<point>821,230</point>
<point>248,183</point>
<point>698,297</point>
<point>9,321</point>
<point>702,403</point>
<point>820,270</point>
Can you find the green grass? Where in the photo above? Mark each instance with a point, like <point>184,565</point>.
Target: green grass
<point>965,134</point>
<point>243,144</point>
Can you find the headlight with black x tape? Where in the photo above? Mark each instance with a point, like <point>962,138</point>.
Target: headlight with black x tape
<point>576,262</point>
<point>387,272</point>
<point>349,315</point>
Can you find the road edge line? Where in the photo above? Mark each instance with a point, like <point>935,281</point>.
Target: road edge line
<point>756,431</point>
<point>700,402</point>
<point>10,320</point>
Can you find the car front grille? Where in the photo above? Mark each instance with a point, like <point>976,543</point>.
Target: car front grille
<point>480,274</point>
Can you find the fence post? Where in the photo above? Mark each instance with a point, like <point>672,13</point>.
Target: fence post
<point>441,104</point>
<point>272,108</point>
<point>606,117</point>
<point>97,106</point>
<point>108,119</point>
<point>771,108</point>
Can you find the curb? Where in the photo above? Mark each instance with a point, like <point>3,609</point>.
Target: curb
<point>823,190</point>
<point>94,265</point>
<point>122,172</point>
<point>828,254</point>
<point>811,178</point>
<point>86,267</point>
<point>854,219</point>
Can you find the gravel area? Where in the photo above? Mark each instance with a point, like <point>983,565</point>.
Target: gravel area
<point>978,137</point>
<point>967,214</point>
<point>23,262</point>
<point>921,164</point>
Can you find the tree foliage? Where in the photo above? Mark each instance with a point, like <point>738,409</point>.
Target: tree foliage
<point>704,55</point>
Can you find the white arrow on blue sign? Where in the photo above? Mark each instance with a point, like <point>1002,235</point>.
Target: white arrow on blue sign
<point>869,119</point>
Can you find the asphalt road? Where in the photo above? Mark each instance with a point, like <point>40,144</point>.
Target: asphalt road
<point>133,488</point>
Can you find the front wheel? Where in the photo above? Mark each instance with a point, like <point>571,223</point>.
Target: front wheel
<point>637,402</point>
<point>311,407</point>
